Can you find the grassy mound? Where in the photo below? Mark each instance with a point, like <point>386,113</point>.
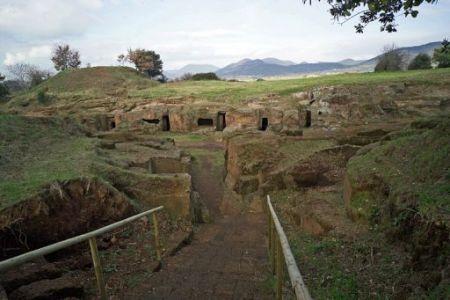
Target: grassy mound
<point>101,79</point>
<point>86,83</point>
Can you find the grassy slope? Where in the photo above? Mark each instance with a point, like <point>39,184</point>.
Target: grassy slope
<point>88,83</point>
<point>415,166</point>
<point>236,91</point>
<point>125,83</point>
<point>34,152</point>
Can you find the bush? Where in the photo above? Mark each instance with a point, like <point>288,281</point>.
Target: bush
<point>4,91</point>
<point>421,61</point>
<point>442,55</point>
<point>42,96</point>
<point>205,76</point>
<point>392,59</point>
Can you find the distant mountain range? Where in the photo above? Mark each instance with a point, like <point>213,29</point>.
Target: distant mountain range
<point>268,67</point>
<point>192,68</point>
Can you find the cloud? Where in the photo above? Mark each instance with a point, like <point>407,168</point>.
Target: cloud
<point>33,53</point>
<point>47,18</point>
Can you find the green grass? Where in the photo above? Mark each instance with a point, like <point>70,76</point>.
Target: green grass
<point>34,152</point>
<point>295,151</point>
<point>354,265</point>
<point>415,167</point>
<point>124,83</point>
<point>236,91</point>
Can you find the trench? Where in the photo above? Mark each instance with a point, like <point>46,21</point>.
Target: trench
<point>225,252</point>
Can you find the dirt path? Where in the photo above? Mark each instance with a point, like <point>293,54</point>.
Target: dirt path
<point>227,259</point>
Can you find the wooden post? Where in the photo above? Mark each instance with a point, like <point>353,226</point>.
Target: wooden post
<point>274,249</point>
<point>279,271</point>
<point>97,267</point>
<point>156,232</point>
<point>270,237</point>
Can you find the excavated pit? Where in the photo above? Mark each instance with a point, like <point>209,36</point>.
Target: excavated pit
<point>60,211</point>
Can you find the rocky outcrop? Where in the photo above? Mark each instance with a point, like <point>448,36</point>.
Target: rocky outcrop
<point>185,118</point>
<point>264,165</point>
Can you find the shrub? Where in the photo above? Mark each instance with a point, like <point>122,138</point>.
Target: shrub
<point>442,55</point>
<point>4,91</point>
<point>421,61</point>
<point>42,96</point>
<point>205,76</point>
<point>392,59</point>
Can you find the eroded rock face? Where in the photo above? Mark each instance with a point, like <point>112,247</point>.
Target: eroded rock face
<point>337,105</point>
<point>151,190</point>
<point>261,166</point>
<point>62,210</point>
<point>185,118</point>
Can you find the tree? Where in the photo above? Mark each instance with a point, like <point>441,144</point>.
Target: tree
<point>64,58</point>
<point>19,71</point>
<point>421,61</point>
<point>392,59</point>
<point>28,75</point>
<point>36,75</point>
<point>383,11</point>
<point>146,61</point>
<point>442,55</point>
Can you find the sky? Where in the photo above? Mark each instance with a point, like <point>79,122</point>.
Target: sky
<point>199,31</point>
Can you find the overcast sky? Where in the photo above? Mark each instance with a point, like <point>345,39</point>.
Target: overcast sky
<point>199,31</point>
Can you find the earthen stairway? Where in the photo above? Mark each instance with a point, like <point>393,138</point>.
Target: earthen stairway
<point>226,260</point>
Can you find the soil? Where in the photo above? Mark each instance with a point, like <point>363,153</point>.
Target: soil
<point>226,260</point>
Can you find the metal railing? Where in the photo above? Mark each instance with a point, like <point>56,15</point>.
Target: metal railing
<point>90,236</point>
<point>278,249</point>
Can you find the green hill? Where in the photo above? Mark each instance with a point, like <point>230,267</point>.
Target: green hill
<point>100,79</point>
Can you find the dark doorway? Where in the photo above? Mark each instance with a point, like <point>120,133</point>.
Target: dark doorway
<point>151,121</point>
<point>221,122</point>
<point>264,124</point>
<point>165,123</point>
<point>112,124</point>
<point>204,122</point>
<point>308,119</point>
